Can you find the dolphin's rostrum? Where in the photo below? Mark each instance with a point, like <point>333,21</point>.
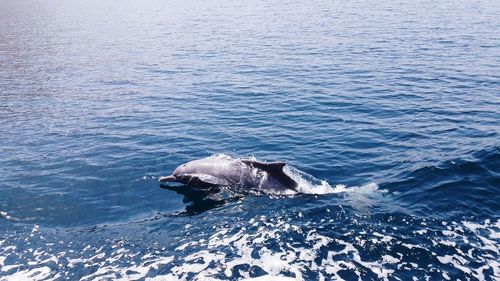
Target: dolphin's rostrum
<point>216,172</point>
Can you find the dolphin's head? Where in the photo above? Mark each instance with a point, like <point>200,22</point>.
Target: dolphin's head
<point>192,167</point>
<point>181,172</point>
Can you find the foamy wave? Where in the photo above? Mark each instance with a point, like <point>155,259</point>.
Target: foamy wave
<point>308,184</point>
<point>278,248</point>
<point>7,216</point>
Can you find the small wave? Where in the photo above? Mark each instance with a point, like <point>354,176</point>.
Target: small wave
<point>469,184</point>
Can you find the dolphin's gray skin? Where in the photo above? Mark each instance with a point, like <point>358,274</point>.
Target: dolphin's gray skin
<point>217,172</point>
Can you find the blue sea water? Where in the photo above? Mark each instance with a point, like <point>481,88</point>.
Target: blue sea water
<point>388,112</point>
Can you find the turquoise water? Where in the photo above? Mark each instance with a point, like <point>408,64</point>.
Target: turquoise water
<point>387,113</point>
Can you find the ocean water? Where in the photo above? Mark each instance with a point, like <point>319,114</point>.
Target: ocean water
<point>387,112</point>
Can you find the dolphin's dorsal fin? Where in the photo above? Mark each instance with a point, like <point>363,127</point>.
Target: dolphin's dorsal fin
<point>269,167</point>
<point>276,170</point>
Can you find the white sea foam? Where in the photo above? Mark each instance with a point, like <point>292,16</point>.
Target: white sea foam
<point>288,259</point>
<point>37,273</point>
<point>262,242</point>
<point>7,216</point>
<point>270,278</point>
<point>307,184</point>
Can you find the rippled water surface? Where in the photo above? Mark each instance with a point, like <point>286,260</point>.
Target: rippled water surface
<point>388,112</point>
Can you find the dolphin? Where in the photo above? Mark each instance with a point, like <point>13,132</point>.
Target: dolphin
<point>215,173</point>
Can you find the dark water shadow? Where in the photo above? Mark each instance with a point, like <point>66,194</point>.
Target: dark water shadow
<point>199,201</point>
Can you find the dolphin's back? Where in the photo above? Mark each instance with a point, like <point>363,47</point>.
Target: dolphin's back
<point>213,172</point>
